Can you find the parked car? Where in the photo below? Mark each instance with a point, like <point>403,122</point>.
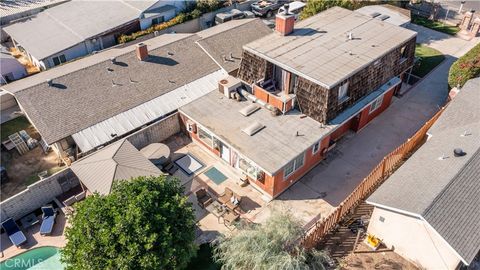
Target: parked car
<point>295,8</point>
<point>267,7</point>
<point>233,14</point>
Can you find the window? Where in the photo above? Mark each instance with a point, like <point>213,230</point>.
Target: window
<point>57,60</point>
<point>293,166</point>
<point>376,104</point>
<point>158,20</point>
<point>403,53</point>
<point>315,148</point>
<point>342,92</point>
<point>205,137</point>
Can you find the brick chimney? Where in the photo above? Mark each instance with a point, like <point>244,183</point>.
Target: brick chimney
<point>284,21</point>
<point>142,51</point>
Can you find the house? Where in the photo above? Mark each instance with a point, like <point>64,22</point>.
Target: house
<point>11,10</point>
<point>77,28</point>
<point>310,83</point>
<point>10,68</point>
<point>428,209</point>
<point>90,102</point>
<point>118,161</point>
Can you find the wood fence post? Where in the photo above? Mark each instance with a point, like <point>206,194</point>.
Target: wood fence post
<point>384,166</point>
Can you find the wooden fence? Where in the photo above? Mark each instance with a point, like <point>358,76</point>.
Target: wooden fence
<point>390,163</point>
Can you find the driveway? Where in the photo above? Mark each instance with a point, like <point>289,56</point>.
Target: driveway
<point>328,184</point>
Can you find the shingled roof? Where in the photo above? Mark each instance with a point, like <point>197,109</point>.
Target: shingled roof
<point>436,185</point>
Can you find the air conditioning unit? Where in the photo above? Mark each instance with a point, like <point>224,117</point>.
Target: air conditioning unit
<point>229,85</point>
<point>191,127</point>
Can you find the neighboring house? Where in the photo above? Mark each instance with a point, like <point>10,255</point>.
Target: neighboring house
<point>10,68</point>
<point>387,13</point>
<point>328,74</point>
<point>77,28</point>
<point>86,104</point>
<point>428,210</point>
<point>11,10</point>
<point>118,161</point>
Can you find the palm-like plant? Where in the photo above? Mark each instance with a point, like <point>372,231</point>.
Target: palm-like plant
<point>271,245</point>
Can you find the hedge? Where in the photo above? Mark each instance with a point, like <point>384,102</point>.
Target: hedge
<point>465,68</point>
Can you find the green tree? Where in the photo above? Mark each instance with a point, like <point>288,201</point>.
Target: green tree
<point>144,223</point>
<point>315,6</point>
<point>271,245</point>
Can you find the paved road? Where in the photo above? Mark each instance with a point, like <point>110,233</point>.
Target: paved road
<point>328,184</point>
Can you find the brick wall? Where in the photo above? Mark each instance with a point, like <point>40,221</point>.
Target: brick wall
<point>38,194</point>
<point>156,132</point>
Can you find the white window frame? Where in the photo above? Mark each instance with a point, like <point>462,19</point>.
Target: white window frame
<point>202,130</point>
<point>315,148</point>
<point>294,166</point>
<point>377,103</point>
<point>343,92</point>
<point>60,61</point>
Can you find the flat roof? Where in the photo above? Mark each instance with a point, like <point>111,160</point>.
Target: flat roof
<point>438,186</point>
<point>319,49</point>
<point>272,147</point>
<point>396,15</point>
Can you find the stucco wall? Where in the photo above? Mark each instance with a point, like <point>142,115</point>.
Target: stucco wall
<point>70,54</point>
<point>156,132</point>
<point>37,195</point>
<point>413,239</point>
<point>11,65</point>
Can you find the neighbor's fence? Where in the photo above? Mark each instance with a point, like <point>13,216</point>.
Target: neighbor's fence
<point>315,234</point>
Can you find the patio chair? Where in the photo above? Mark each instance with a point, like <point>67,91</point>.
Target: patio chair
<point>203,198</point>
<point>230,218</point>
<point>14,233</point>
<point>48,219</point>
<point>230,199</point>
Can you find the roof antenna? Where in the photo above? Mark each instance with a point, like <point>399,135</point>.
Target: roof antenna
<point>465,134</point>
<point>132,81</point>
<point>115,84</point>
<point>443,157</point>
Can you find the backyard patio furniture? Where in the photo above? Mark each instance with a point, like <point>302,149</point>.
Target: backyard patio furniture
<point>29,220</point>
<point>230,199</point>
<point>14,233</point>
<point>203,198</point>
<point>48,219</point>
<point>217,209</point>
<point>229,218</point>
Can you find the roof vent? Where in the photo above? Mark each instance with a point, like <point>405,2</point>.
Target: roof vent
<point>246,111</point>
<point>113,60</point>
<point>49,82</point>
<point>458,152</point>
<point>253,128</point>
<point>384,17</point>
<point>109,70</point>
<point>350,35</point>
<point>115,84</point>
<point>466,133</point>
<point>375,14</point>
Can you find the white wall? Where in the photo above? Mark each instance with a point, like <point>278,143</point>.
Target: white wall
<point>413,239</point>
<point>147,22</point>
<point>76,51</point>
<point>11,65</point>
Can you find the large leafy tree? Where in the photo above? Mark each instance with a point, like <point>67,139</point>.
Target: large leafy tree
<point>144,223</point>
<point>271,245</point>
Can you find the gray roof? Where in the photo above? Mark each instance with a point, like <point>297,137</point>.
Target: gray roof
<point>118,161</point>
<point>319,50</point>
<point>219,43</point>
<point>87,96</point>
<point>270,148</point>
<point>63,26</point>
<point>444,191</point>
<point>396,15</point>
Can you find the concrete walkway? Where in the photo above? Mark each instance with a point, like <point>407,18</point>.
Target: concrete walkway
<point>328,184</point>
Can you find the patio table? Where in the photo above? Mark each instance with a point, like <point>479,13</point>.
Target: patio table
<point>217,209</point>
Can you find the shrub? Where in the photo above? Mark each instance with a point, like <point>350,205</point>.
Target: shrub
<point>465,68</point>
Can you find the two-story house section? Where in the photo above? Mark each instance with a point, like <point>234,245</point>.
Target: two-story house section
<point>298,91</point>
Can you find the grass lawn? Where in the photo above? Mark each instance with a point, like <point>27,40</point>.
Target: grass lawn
<point>437,26</point>
<point>429,58</point>
<point>12,126</point>
<point>204,260</point>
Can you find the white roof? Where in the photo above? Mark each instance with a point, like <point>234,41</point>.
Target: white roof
<point>63,26</point>
<point>136,117</point>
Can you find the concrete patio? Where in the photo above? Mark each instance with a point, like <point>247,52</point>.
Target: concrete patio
<point>210,226</point>
<point>34,239</point>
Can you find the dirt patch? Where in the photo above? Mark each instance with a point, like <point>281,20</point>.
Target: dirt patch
<point>22,170</point>
<point>341,241</point>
